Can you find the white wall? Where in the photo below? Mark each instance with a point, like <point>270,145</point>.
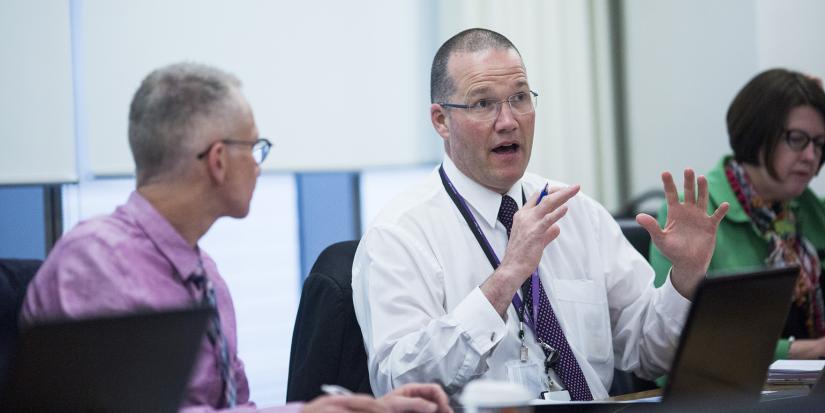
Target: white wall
<point>343,85</point>
<point>36,103</point>
<point>790,34</point>
<point>335,84</point>
<point>686,59</point>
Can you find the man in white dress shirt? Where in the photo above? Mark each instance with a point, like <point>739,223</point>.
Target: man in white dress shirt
<point>435,305</point>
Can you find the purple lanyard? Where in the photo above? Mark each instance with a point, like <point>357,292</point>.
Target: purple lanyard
<point>461,204</point>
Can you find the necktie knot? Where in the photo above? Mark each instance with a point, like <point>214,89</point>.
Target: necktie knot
<point>506,211</point>
<point>198,280</point>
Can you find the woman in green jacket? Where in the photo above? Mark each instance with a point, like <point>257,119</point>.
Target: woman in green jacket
<point>776,127</point>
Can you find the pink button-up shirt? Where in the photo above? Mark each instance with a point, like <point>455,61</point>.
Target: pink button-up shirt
<point>134,260</point>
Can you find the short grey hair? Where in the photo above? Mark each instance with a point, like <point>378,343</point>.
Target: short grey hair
<point>168,111</point>
<point>468,41</point>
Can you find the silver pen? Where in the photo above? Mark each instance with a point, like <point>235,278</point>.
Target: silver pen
<point>336,390</point>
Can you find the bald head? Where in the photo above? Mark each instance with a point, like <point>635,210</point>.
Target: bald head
<point>170,111</point>
<point>468,41</point>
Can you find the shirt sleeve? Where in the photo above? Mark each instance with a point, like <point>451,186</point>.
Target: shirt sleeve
<point>399,299</point>
<point>783,349</point>
<point>74,282</point>
<point>241,381</point>
<point>646,321</point>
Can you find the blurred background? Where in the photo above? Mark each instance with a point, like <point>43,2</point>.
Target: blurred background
<point>627,89</point>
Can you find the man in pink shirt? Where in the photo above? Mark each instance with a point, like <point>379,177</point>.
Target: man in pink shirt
<point>197,154</point>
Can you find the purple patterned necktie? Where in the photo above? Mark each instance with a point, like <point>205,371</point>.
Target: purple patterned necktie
<point>547,326</point>
<point>215,333</point>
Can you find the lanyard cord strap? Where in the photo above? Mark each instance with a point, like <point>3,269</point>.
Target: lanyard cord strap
<point>461,204</point>
<point>468,216</point>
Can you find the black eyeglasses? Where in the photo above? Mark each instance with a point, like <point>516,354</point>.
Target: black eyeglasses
<point>260,148</point>
<point>520,103</point>
<point>798,140</point>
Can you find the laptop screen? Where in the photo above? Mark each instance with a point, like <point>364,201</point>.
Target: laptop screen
<point>131,363</point>
<point>730,336</point>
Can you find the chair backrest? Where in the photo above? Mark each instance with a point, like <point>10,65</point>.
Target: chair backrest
<point>647,202</point>
<point>636,234</point>
<point>327,346</point>
<point>14,278</point>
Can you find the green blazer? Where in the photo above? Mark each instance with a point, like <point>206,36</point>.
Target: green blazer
<point>738,243</point>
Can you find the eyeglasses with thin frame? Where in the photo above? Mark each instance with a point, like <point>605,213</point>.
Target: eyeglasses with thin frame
<point>520,103</point>
<point>798,140</point>
<point>260,148</point>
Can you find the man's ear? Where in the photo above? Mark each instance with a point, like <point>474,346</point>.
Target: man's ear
<point>216,163</point>
<point>438,116</point>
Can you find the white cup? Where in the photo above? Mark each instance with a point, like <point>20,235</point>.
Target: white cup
<point>490,396</point>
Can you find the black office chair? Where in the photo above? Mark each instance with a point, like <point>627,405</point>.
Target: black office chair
<point>14,278</point>
<point>327,346</point>
<point>647,202</point>
<point>636,234</point>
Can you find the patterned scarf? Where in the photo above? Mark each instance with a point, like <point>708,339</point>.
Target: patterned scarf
<point>778,225</point>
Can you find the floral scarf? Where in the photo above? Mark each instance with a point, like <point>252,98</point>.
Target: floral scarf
<point>778,225</point>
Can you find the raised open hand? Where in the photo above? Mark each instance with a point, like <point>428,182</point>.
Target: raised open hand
<point>689,236</point>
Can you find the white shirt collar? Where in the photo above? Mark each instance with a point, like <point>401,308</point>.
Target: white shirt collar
<point>485,202</point>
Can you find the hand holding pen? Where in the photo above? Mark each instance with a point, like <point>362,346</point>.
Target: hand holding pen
<point>543,193</point>
<point>534,226</point>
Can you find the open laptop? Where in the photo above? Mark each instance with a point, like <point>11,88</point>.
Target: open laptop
<point>131,363</point>
<point>725,348</point>
<point>729,338</point>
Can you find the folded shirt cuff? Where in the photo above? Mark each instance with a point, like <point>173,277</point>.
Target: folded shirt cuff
<point>478,319</point>
<point>673,304</point>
